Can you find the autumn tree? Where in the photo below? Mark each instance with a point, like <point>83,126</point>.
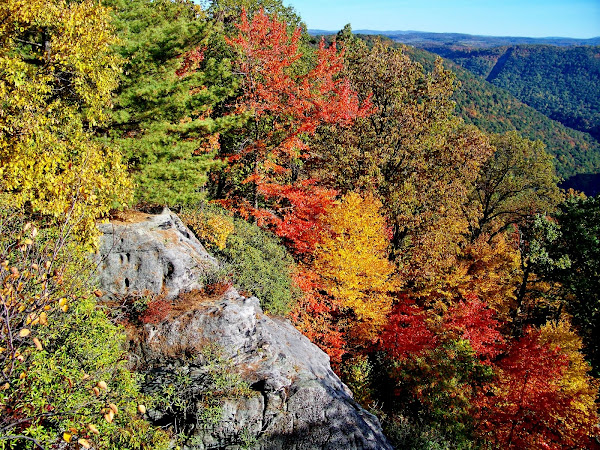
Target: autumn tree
<point>61,358</point>
<point>412,152</point>
<point>285,106</point>
<point>58,74</point>
<point>352,261</point>
<point>516,183</point>
<point>527,406</point>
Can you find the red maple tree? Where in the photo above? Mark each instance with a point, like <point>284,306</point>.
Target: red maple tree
<point>301,208</point>
<point>287,105</point>
<point>474,321</point>
<point>525,407</point>
<point>406,333</point>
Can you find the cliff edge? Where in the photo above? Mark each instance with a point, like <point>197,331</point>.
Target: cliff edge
<point>293,399</point>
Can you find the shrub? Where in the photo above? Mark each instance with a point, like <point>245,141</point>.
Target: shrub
<point>211,224</point>
<point>261,266</point>
<point>62,365</point>
<point>252,259</point>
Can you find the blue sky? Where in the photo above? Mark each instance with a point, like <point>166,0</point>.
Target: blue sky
<point>530,18</point>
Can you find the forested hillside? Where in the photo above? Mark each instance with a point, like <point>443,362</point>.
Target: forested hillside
<point>561,82</point>
<point>496,110</point>
<point>481,103</point>
<point>433,257</point>
<point>427,40</point>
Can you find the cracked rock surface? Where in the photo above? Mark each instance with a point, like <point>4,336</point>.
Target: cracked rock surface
<point>150,254</point>
<point>295,400</point>
<point>299,402</point>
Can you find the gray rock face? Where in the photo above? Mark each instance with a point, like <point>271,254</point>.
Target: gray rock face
<point>299,404</point>
<point>150,254</point>
<point>295,400</point>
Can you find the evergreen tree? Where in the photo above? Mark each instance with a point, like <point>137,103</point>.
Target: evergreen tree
<point>168,112</point>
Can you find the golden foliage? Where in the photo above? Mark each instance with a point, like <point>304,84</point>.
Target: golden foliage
<point>209,227</point>
<point>57,78</point>
<point>487,268</point>
<point>576,382</point>
<point>352,259</point>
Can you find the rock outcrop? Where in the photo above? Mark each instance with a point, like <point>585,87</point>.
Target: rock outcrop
<point>295,400</point>
<point>150,254</point>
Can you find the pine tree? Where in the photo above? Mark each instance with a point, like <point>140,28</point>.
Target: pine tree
<point>168,113</point>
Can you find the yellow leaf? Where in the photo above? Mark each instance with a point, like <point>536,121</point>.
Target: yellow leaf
<point>37,343</point>
<point>109,416</point>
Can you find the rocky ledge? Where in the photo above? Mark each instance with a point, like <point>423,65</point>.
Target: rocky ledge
<point>294,400</point>
<point>150,254</point>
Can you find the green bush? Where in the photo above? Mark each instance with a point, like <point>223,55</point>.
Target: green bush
<point>62,361</point>
<point>261,266</point>
<point>252,259</point>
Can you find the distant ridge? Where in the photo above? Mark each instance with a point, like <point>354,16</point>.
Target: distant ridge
<point>424,39</point>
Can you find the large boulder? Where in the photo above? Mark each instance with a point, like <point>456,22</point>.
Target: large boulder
<point>293,399</point>
<point>150,254</point>
<point>300,403</point>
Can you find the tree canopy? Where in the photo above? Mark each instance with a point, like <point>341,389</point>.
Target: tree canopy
<point>58,75</point>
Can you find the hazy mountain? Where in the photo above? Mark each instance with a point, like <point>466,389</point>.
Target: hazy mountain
<point>561,82</point>
<point>494,109</point>
<point>426,39</point>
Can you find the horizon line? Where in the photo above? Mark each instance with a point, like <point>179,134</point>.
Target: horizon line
<point>371,31</point>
